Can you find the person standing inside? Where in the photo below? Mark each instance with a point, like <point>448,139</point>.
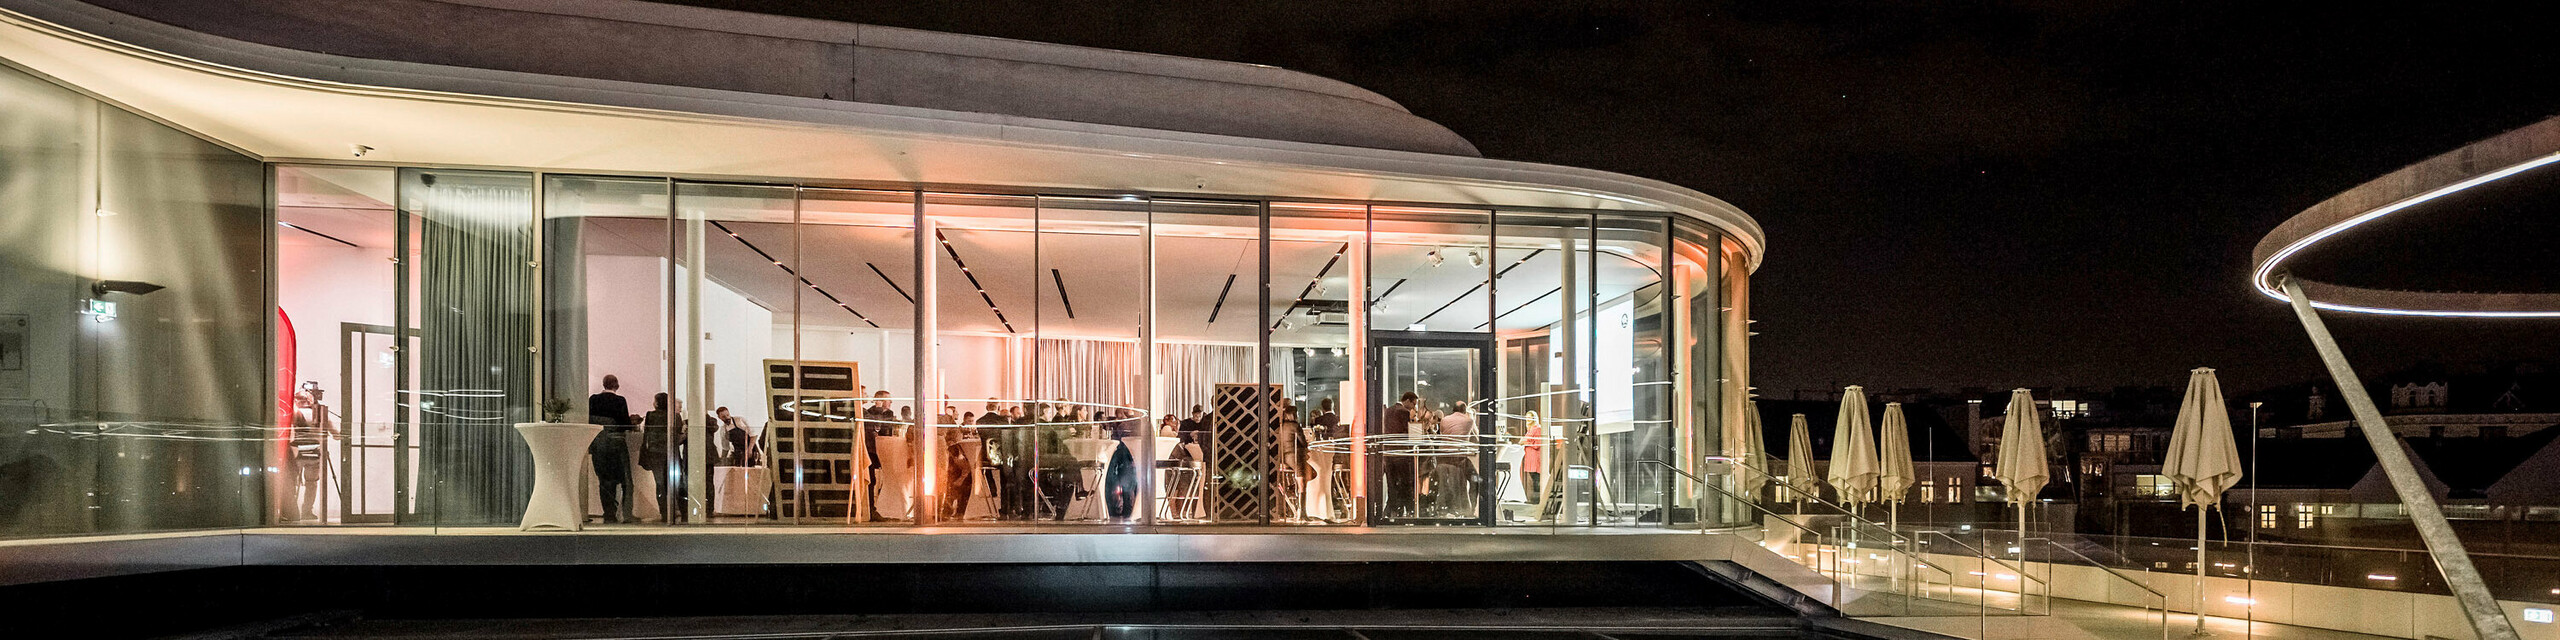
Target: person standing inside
<point>877,421</point>
<point>1399,465</point>
<point>610,451</point>
<point>1453,476</point>
<point>656,429</point>
<point>732,438</point>
<point>312,430</point>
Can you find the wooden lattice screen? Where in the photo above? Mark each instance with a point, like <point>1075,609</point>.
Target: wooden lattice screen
<point>1239,453</point>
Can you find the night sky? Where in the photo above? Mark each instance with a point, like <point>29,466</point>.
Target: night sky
<point>1955,193</point>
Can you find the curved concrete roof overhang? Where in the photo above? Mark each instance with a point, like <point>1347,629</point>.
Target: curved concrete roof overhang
<point>290,105</point>
<point>2482,162</point>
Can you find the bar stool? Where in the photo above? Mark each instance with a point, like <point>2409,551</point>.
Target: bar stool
<point>1182,498</point>
<point>1289,500</point>
<point>1340,490</point>
<point>1088,501</point>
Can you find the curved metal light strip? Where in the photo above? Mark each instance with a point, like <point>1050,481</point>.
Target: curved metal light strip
<point>2264,276</point>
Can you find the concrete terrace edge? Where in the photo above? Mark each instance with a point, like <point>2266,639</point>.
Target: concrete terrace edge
<point>55,559</point>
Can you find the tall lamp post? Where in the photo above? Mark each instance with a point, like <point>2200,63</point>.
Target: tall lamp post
<point>2249,567</point>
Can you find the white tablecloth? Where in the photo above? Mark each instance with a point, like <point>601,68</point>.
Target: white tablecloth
<point>740,491</point>
<point>1092,455</point>
<point>897,477</point>
<point>558,451</point>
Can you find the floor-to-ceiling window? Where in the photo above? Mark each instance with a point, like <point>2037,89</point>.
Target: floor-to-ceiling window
<point>336,260</point>
<point>987,294</point>
<point>1546,331</point>
<point>1631,369</point>
<point>135,387</point>
<point>741,284</point>
<point>1431,305</point>
<point>1091,287</point>
<point>608,244</point>
<point>468,270</point>
<point>855,337</point>
<point>1093,358</point>
<point>1319,256</point>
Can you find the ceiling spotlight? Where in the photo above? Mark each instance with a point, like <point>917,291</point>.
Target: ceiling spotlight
<point>1475,258</point>
<point>1433,257</point>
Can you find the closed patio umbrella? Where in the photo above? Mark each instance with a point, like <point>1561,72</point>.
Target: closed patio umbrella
<point>2022,462</point>
<point>1893,462</point>
<point>1853,450</point>
<point>1800,480</point>
<point>2203,461</point>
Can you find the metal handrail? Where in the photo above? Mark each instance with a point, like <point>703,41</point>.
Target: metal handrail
<point>2164,598</point>
<point>2243,543</point>
<point>1986,556</point>
<point>1747,502</point>
<point>1844,512</point>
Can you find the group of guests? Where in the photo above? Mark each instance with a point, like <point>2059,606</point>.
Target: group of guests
<point>1425,478</point>
<point>1044,455</point>
<point>650,440</point>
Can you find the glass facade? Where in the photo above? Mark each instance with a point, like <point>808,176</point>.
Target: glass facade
<point>353,345</point>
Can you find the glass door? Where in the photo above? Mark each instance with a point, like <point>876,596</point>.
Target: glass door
<point>368,484</point>
<point>1431,456</point>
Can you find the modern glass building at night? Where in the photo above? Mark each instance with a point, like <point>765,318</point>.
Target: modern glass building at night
<point>296,264</point>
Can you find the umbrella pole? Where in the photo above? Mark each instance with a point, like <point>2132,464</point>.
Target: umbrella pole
<point>2022,558</point>
<point>1892,529</point>
<point>2200,632</point>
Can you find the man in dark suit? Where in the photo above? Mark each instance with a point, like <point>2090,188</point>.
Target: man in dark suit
<point>1399,467</point>
<point>877,421</point>
<point>610,451</point>
<point>1330,421</point>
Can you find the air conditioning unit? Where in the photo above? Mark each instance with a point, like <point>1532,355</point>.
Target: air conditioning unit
<point>1334,318</point>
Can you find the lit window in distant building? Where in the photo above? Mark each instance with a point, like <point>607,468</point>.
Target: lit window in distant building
<point>2069,408</point>
<point>2303,516</point>
<point>1928,491</point>
<point>1952,489</point>
<point>2154,486</point>
<point>2111,442</point>
<point>2266,516</point>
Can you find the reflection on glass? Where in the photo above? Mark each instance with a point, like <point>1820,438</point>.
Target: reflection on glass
<point>335,238</point>
<point>739,287</point>
<point>1704,425</point>
<point>1545,329</point>
<point>1092,316</point>
<point>470,261</point>
<point>1207,272</point>
<point>1318,261</point>
<point>1630,369</point>
<point>856,346</point>
<point>134,388</point>
<point>988,293</point>
<point>1428,451</point>
<point>607,247</point>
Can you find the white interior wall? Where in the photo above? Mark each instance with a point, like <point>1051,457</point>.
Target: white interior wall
<point>320,286</point>
<point>626,325</point>
<point>737,336</point>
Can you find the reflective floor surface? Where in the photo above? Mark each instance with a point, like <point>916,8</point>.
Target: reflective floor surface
<point>1606,623</point>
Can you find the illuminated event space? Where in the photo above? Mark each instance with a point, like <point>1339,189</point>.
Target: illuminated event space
<point>273,286</point>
